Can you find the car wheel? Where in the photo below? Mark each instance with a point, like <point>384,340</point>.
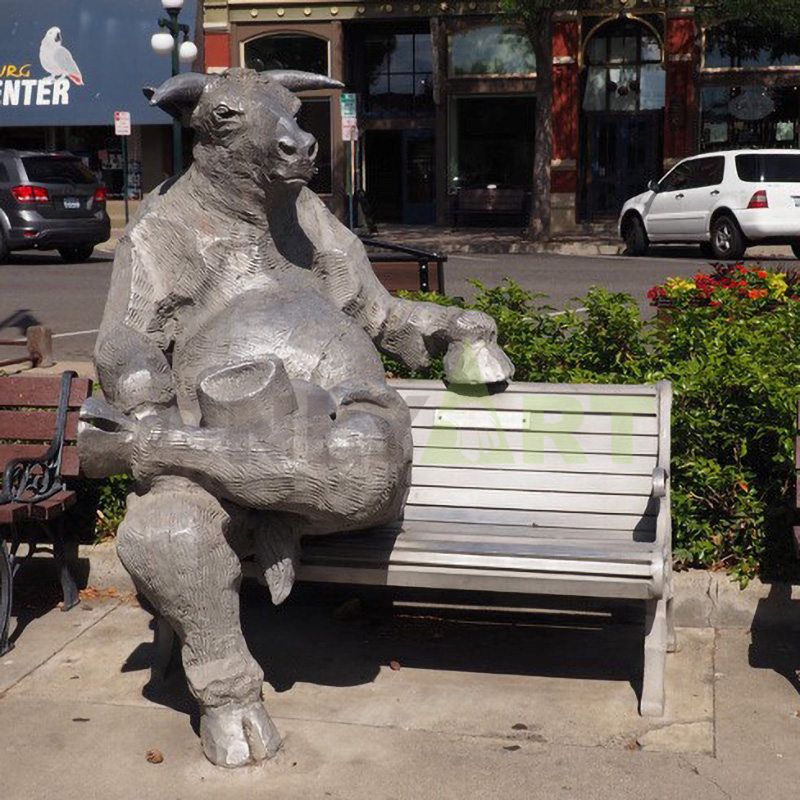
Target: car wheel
<point>706,250</point>
<point>727,242</point>
<point>796,249</point>
<point>635,237</point>
<point>74,255</point>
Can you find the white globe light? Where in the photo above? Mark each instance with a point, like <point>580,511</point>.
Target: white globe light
<point>162,43</point>
<point>187,52</point>
<point>167,4</point>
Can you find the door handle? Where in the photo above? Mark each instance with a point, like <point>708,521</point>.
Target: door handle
<point>679,196</point>
<point>715,193</point>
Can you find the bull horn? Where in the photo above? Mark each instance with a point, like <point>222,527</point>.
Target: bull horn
<point>297,81</point>
<point>177,94</point>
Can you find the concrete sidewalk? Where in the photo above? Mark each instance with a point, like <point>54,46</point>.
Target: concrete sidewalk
<point>484,705</point>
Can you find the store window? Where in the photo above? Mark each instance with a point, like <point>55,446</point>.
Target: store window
<point>288,51</point>
<point>625,69</point>
<point>733,46</point>
<point>490,50</point>
<point>397,75</point>
<point>491,142</point>
<point>315,117</point>
<point>749,115</point>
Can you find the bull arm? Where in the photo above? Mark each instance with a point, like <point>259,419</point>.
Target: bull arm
<point>409,330</point>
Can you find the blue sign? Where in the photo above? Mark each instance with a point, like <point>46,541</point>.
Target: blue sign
<point>75,62</point>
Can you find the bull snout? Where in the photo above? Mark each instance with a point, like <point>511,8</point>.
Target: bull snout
<point>303,146</point>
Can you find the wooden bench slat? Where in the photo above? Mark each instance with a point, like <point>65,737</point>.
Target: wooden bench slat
<point>621,445</point>
<point>69,455</point>
<point>542,519</point>
<point>466,579</point>
<point>530,500</point>
<point>510,460</point>
<point>35,425</point>
<point>620,391</point>
<point>14,512</point>
<point>53,506</point>
<point>41,392</point>
<point>577,566</point>
<point>556,402</point>
<point>544,421</point>
<point>532,480</point>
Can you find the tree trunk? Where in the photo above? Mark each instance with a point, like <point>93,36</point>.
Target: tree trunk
<point>540,34</point>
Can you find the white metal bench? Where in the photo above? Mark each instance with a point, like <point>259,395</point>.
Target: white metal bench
<point>545,489</point>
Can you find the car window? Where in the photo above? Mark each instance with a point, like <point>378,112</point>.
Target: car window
<point>679,178</point>
<point>3,173</point>
<point>768,168</point>
<point>57,169</point>
<point>707,171</point>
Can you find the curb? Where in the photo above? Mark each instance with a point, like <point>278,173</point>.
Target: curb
<point>702,599</point>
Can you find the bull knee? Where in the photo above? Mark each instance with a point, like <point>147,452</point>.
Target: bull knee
<point>174,534</point>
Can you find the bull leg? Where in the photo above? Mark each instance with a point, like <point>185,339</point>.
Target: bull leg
<point>175,542</point>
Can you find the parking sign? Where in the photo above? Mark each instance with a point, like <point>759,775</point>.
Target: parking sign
<point>122,123</point>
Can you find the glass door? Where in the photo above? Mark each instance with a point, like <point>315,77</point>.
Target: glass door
<point>419,177</point>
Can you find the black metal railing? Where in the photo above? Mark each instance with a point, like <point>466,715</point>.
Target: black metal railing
<point>422,258</point>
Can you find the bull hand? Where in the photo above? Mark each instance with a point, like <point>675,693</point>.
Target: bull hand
<point>105,439</point>
<point>473,355</point>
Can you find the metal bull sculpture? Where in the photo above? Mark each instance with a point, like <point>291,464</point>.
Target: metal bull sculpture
<point>238,357</point>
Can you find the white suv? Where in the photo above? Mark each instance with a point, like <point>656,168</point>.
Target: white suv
<point>725,201</point>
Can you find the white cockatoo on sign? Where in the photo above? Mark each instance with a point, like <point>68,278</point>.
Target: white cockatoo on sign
<point>57,60</point>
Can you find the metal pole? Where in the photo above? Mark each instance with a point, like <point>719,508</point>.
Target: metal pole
<point>177,131</point>
<point>125,174</point>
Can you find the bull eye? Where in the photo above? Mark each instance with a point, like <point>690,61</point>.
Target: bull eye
<point>223,112</point>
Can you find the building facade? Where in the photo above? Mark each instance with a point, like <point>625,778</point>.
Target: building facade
<point>68,65</point>
<point>446,96</point>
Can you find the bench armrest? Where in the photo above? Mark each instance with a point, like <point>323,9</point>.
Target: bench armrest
<point>659,482</point>
<point>29,480</point>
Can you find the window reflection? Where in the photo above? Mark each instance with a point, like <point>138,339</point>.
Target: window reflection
<point>287,51</point>
<point>731,45</point>
<point>398,73</point>
<point>491,50</point>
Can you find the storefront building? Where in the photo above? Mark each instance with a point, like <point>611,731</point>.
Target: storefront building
<point>67,65</point>
<point>446,98</point>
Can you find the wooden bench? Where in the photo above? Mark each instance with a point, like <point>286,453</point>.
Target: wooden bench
<point>38,454</point>
<point>544,489</point>
<point>488,202</point>
<point>401,268</point>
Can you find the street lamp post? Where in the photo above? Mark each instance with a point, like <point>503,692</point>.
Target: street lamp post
<point>186,51</point>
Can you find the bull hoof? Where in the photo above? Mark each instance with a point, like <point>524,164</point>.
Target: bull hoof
<point>237,736</point>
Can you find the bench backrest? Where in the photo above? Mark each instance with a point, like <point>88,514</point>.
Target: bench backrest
<point>546,455</point>
<point>488,200</point>
<point>28,408</point>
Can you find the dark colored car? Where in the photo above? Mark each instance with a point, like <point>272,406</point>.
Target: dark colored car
<point>50,201</point>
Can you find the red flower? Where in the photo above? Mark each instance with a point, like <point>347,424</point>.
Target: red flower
<point>762,273</point>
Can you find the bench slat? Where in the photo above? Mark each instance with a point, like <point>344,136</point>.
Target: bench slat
<point>35,425</point>
<point>542,519</point>
<point>532,481</point>
<point>69,455</point>
<point>531,500</point>
<point>621,445</point>
<point>519,387</point>
<point>41,392</point>
<point>547,422</point>
<point>522,582</point>
<point>510,460</point>
<point>14,512</point>
<point>54,506</point>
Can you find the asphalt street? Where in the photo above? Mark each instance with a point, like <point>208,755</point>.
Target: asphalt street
<point>37,288</point>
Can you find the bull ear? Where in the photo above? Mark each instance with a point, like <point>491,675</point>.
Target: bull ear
<point>297,81</point>
<point>177,94</point>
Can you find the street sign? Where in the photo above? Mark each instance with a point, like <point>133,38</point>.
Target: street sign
<point>122,123</point>
<point>348,104</point>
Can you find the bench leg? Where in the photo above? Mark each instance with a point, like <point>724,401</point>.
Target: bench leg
<point>655,657</point>
<point>65,550</point>
<point>672,637</point>
<point>6,594</point>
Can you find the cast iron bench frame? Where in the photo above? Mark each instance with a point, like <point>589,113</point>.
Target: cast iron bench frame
<point>526,492</point>
<point>34,496</point>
